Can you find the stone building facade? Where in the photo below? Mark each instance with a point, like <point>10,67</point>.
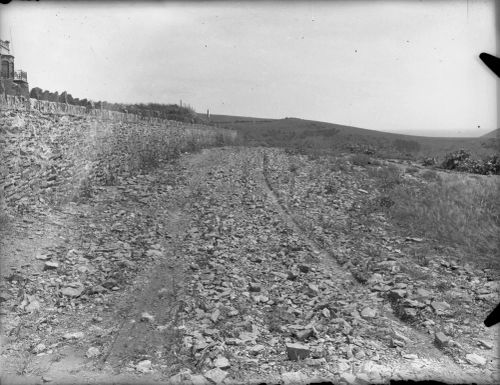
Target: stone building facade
<point>12,82</point>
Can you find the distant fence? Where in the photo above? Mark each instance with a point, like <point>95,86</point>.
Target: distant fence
<point>22,103</point>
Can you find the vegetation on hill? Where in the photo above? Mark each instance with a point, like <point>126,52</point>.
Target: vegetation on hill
<point>461,160</point>
<point>495,134</point>
<point>316,138</point>
<point>453,209</point>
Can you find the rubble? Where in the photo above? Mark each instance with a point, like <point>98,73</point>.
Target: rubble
<point>254,292</point>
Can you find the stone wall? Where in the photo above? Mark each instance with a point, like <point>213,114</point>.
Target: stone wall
<point>25,104</point>
<point>14,89</point>
<point>49,155</point>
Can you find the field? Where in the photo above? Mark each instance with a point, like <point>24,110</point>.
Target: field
<point>323,137</point>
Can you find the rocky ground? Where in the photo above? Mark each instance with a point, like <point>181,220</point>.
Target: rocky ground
<point>231,266</point>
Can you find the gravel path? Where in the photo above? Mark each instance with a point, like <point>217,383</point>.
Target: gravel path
<point>197,273</point>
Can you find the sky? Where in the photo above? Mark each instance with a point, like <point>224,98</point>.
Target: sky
<point>409,67</point>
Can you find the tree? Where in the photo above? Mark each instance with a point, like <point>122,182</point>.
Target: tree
<point>36,93</point>
<point>54,97</point>
<point>45,95</point>
<point>63,98</point>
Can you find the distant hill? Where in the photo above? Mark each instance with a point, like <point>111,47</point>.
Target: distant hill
<point>314,135</point>
<point>234,119</point>
<point>493,134</point>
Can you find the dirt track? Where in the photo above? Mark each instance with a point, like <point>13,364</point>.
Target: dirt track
<point>224,272</point>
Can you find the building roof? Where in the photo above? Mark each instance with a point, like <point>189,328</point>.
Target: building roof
<point>4,47</point>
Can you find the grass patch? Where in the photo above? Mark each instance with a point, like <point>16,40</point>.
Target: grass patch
<point>360,159</point>
<point>411,170</point>
<point>455,210</point>
<point>386,178</point>
<point>431,176</point>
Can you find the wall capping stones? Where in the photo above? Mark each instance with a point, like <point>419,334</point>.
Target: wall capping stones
<point>8,102</point>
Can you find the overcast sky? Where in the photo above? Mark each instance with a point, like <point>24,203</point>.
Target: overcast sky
<point>400,66</point>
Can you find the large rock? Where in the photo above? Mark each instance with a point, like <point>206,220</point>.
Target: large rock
<point>216,375</point>
<point>475,359</point>
<point>422,293</point>
<point>297,352</point>
<point>146,317</point>
<point>72,291</point>
<point>222,363</point>
<point>187,378</point>
<point>441,339</point>
<point>143,366</point>
<point>294,378</point>
<point>440,307</point>
<point>51,265</point>
<point>92,352</point>
<point>397,294</point>
<point>368,312</point>
<point>304,334</point>
<point>348,378</point>
<point>254,287</point>
<point>73,336</point>
<point>256,349</point>
<point>486,344</point>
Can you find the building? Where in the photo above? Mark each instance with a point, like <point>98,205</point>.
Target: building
<point>13,82</point>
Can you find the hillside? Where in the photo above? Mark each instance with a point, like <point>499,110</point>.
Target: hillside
<point>492,134</point>
<point>308,134</point>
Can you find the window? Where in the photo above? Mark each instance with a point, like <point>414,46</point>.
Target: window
<point>5,69</point>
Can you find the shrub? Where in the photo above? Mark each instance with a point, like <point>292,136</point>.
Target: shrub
<point>386,177</point>
<point>361,148</point>
<point>339,165</point>
<point>429,162</point>
<point>491,165</point>
<point>360,159</point>
<point>452,160</point>
<point>461,161</point>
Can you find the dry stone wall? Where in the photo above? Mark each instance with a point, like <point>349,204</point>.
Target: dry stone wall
<point>47,157</point>
<point>45,106</point>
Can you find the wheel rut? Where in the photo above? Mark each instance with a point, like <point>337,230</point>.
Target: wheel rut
<point>148,324</point>
<point>432,363</point>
